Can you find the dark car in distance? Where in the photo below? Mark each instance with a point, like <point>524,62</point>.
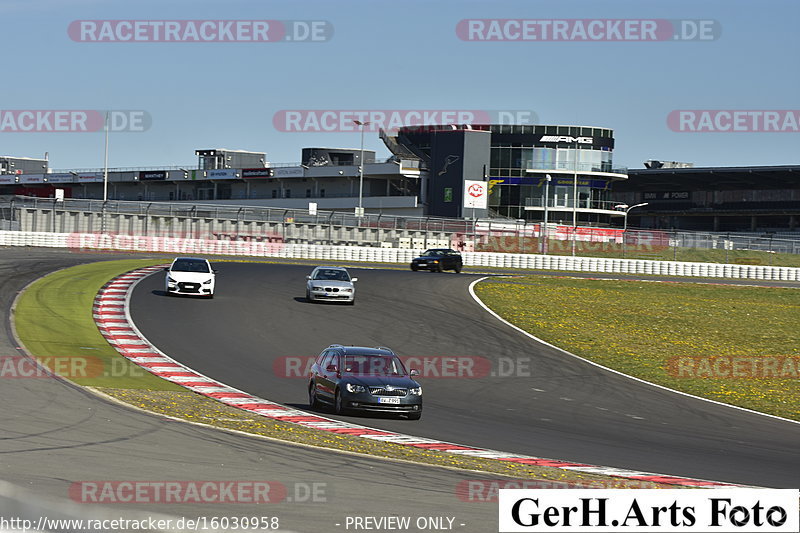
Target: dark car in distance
<point>356,378</point>
<point>438,260</point>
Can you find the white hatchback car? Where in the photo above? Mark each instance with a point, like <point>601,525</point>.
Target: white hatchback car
<point>190,275</point>
<point>331,283</point>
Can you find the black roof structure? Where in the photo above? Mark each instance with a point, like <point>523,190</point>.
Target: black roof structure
<point>710,178</point>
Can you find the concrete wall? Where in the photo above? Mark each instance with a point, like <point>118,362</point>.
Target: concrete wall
<point>287,231</point>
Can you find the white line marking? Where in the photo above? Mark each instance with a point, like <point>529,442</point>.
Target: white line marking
<point>662,387</point>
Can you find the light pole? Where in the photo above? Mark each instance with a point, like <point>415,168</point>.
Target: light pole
<point>360,208</point>
<point>105,181</point>
<point>575,200</point>
<point>627,209</point>
<point>543,233</point>
<point>105,165</point>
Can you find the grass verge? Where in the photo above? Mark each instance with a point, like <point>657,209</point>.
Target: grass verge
<point>734,344</point>
<point>53,319</point>
<point>532,245</point>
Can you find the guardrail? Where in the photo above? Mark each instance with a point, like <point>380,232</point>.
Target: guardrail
<point>490,235</point>
<point>585,203</point>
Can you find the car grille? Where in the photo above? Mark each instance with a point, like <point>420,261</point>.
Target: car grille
<point>381,391</point>
<point>189,287</point>
<point>331,289</point>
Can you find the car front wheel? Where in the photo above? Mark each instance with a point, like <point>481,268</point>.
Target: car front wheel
<point>338,405</point>
<point>458,269</point>
<point>312,396</point>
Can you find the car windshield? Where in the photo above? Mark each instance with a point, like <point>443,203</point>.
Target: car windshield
<point>332,275</point>
<point>374,365</point>
<point>432,252</point>
<point>190,265</point>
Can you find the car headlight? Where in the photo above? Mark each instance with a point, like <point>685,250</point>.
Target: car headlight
<point>316,288</point>
<point>351,387</point>
<point>170,280</point>
<point>208,282</point>
<point>415,391</point>
<point>347,290</point>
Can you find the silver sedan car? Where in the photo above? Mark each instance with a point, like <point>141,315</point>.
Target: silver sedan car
<point>331,283</point>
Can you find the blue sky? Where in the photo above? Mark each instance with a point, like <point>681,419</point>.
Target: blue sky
<point>388,55</point>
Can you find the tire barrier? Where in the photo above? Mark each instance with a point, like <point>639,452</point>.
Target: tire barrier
<point>370,254</point>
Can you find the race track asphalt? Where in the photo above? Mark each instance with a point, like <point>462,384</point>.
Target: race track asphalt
<point>538,402</point>
<point>55,434</point>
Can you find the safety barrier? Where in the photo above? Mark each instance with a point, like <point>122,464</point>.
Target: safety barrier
<point>180,246</point>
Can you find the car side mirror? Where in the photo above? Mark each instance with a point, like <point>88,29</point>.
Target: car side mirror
<point>353,279</point>
<point>214,270</point>
<point>414,372</point>
<point>308,277</point>
<point>166,269</point>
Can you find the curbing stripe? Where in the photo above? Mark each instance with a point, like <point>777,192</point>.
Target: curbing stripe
<point>159,364</point>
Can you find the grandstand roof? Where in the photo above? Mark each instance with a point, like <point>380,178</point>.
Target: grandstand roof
<point>710,178</point>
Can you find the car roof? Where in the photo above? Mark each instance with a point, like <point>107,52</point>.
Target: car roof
<point>330,268</point>
<point>190,259</point>
<point>361,350</point>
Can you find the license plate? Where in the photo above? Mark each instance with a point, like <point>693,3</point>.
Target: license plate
<point>393,401</point>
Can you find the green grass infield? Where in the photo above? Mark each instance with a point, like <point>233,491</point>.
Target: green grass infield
<point>734,344</point>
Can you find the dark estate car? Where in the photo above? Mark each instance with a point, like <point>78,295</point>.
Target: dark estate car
<point>438,260</point>
<point>364,379</point>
